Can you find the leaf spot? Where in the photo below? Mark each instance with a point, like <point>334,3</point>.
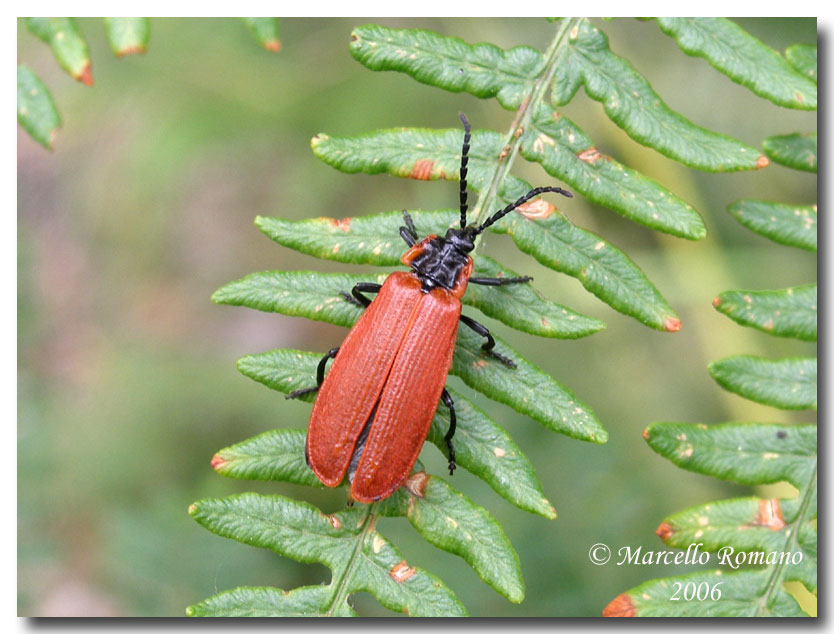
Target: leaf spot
<point>341,225</point>
<point>770,515</point>
<point>620,606</point>
<point>590,156</point>
<point>377,543</point>
<point>422,170</point>
<point>218,462</point>
<point>402,572</point>
<point>537,209</point>
<point>499,452</point>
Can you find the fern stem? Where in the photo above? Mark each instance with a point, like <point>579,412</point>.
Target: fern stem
<point>341,583</point>
<point>778,574</point>
<point>490,195</point>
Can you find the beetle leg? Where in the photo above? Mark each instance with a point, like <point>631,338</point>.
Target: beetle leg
<point>499,281</point>
<point>319,376</point>
<point>408,232</point>
<point>357,298</point>
<point>490,343</point>
<point>448,402</point>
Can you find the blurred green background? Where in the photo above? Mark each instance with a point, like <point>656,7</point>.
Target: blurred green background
<point>127,384</point>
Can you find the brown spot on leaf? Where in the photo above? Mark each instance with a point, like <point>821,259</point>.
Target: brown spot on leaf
<point>646,434</point>
<point>664,531</point>
<point>416,483</point>
<point>272,46</point>
<point>770,515</point>
<point>480,364</point>
<point>591,155</point>
<point>341,225</point>
<point>620,606</point>
<point>353,37</point>
<point>217,462</point>
<point>536,209</point>
<point>672,324</point>
<point>504,152</point>
<point>422,170</point>
<point>86,75</point>
<point>402,572</point>
<point>716,302</point>
<point>335,521</point>
<point>762,162</point>
<point>131,50</point>
<point>518,132</point>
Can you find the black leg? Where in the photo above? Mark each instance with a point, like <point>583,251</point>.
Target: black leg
<point>448,402</point>
<point>357,298</point>
<point>490,343</point>
<point>319,376</point>
<point>499,281</point>
<point>409,232</point>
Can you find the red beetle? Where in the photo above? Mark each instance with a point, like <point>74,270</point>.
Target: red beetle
<point>375,406</point>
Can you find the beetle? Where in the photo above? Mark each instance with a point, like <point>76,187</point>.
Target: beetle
<point>374,408</point>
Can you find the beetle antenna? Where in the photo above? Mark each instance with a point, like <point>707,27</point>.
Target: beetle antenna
<point>531,194</point>
<point>464,161</point>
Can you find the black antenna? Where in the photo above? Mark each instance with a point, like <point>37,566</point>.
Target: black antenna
<point>531,194</point>
<point>464,161</point>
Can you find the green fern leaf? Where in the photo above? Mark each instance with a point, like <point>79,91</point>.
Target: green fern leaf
<point>750,531</point>
<point>372,239</point>
<point>566,152</point>
<point>265,31</point>
<point>743,58</point>
<point>267,602</point>
<point>68,45</point>
<point>785,383</point>
<point>483,448</point>
<point>632,104</point>
<point>740,595</point>
<point>525,388</point>
<point>601,268</point>
<point>747,453</point>
<point>417,153</point>
<point>798,151</point>
<point>273,455</point>
<point>803,57</point>
<point>450,63</point>
<point>343,542</point>
<point>36,111</point>
<point>791,225</point>
<point>449,520</point>
<point>791,312</point>
<point>127,36</point>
